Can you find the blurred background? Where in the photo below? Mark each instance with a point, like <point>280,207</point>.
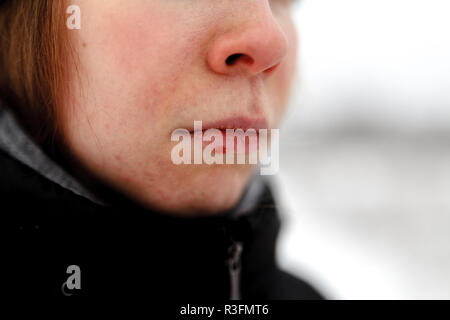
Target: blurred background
<point>364,181</point>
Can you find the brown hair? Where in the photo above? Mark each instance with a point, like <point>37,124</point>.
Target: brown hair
<point>34,47</point>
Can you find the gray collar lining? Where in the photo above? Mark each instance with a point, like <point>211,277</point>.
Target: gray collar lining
<point>16,143</point>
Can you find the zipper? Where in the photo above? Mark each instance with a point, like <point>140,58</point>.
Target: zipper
<point>234,269</point>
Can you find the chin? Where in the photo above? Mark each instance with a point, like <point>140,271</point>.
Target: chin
<point>209,191</point>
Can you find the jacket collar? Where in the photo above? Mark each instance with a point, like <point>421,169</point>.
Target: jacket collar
<point>15,141</point>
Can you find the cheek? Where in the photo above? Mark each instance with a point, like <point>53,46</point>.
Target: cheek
<point>133,46</point>
<point>281,83</point>
<point>147,46</point>
<point>132,64</point>
<point>147,56</point>
<point>291,58</point>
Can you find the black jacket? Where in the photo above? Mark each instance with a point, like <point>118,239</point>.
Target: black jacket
<point>123,250</point>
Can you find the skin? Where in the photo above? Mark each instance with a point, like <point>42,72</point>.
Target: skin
<point>148,67</point>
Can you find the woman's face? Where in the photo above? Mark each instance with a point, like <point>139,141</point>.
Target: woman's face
<point>148,67</point>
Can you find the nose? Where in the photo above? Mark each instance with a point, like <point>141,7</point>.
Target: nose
<point>253,46</point>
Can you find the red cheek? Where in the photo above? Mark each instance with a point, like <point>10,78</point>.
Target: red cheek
<point>133,39</point>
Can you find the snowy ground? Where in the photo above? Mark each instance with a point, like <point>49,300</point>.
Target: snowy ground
<point>368,216</point>
<point>365,153</point>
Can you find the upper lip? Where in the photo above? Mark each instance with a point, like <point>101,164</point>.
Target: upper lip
<point>243,123</point>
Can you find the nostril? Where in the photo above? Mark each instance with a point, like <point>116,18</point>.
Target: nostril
<point>238,56</point>
<point>233,58</point>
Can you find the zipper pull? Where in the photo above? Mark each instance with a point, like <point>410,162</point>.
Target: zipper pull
<point>234,268</point>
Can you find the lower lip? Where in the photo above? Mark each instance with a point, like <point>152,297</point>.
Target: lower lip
<point>221,148</point>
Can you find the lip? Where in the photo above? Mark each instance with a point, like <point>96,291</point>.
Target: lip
<point>233,123</point>
<point>243,123</point>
